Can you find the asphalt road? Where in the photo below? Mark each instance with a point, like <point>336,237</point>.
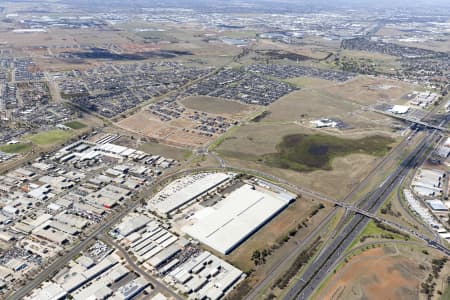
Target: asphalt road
<point>55,266</point>
<point>156,284</point>
<point>320,268</point>
<point>60,262</point>
<point>283,264</point>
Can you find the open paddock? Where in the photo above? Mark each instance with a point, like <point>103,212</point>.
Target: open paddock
<point>246,147</point>
<point>390,272</point>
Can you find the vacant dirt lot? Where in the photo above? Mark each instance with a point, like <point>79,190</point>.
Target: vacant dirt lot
<point>171,133</point>
<point>381,273</point>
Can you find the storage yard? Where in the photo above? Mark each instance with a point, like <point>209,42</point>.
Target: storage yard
<point>428,183</point>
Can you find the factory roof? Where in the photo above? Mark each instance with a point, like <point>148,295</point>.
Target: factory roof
<point>437,205</point>
<point>169,201</point>
<point>49,291</point>
<point>400,109</point>
<point>131,224</point>
<point>232,220</point>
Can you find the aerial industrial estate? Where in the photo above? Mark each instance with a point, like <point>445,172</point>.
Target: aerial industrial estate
<point>208,150</point>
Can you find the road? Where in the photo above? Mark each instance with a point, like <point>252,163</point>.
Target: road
<point>284,264</point>
<point>320,268</point>
<point>56,265</point>
<point>411,120</point>
<point>60,262</point>
<point>156,284</point>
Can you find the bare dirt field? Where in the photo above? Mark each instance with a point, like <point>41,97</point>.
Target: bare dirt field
<point>188,129</point>
<point>172,133</point>
<point>380,273</point>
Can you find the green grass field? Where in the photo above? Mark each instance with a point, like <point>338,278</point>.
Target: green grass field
<point>50,137</point>
<point>303,152</point>
<point>168,151</point>
<point>75,125</point>
<point>446,294</point>
<point>15,148</point>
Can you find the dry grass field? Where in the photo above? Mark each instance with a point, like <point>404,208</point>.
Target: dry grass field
<point>389,272</point>
<point>165,150</point>
<point>313,50</point>
<point>367,90</point>
<point>244,145</point>
<point>346,101</point>
<point>275,230</point>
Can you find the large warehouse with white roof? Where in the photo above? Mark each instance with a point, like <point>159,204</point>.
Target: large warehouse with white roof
<point>184,190</point>
<point>231,221</point>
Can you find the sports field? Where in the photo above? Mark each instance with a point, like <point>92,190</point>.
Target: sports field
<point>75,125</point>
<point>16,148</point>
<point>50,137</point>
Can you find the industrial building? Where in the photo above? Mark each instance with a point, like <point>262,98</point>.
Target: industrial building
<point>437,205</point>
<point>184,190</point>
<point>205,276</point>
<point>399,109</point>
<point>148,241</point>
<point>428,183</point>
<point>231,221</point>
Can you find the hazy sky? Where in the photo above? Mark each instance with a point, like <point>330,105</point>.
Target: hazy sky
<point>271,4</point>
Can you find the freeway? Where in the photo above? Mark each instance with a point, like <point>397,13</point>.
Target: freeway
<point>319,268</point>
<point>284,263</point>
<point>411,120</point>
<point>56,265</point>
